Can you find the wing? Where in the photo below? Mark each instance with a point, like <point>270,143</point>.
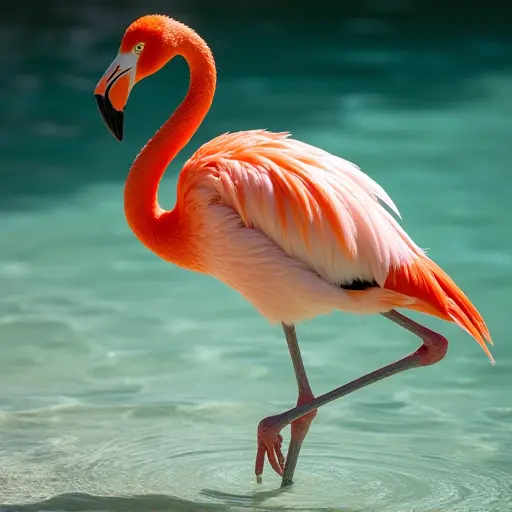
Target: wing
<point>316,207</point>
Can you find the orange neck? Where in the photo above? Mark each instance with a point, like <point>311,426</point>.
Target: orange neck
<point>161,231</point>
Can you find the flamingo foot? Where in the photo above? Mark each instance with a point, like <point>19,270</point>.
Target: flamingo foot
<point>270,442</point>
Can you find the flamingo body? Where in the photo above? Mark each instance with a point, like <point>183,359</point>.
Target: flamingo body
<point>291,226</point>
<point>284,223</point>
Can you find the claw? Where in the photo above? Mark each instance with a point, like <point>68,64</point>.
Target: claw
<point>269,444</point>
<point>279,453</point>
<point>270,440</point>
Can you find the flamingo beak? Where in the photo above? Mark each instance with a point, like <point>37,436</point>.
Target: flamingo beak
<point>112,92</point>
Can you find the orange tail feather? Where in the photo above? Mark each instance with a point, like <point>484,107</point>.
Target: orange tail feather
<point>439,296</point>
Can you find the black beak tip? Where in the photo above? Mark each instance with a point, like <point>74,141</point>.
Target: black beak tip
<point>113,118</point>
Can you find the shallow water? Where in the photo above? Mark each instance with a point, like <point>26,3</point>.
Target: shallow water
<point>127,384</point>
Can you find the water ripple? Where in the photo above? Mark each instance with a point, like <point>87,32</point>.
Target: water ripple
<point>218,473</point>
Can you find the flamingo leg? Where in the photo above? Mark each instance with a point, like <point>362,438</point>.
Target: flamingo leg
<point>299,427</point>
<point>432,351</point>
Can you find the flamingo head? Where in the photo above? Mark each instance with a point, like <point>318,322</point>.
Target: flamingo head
<point>147,45</point>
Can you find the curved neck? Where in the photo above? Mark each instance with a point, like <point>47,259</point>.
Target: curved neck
<point>141,190</point>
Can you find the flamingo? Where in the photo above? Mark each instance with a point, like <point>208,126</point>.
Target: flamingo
<point>297,231</point>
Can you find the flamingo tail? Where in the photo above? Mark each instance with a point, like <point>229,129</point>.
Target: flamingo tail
<point>439,296</point>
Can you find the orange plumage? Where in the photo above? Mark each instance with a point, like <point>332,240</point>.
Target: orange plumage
<point>439,296</point>
<point>313,212</point>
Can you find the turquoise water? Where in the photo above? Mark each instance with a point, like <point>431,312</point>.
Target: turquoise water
<point>128,384</point>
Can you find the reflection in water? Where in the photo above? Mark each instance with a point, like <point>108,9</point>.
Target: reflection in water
<point>75,502</point>
<point>78,502</point>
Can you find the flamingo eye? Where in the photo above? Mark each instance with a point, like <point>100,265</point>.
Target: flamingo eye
<point>137,49</point>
